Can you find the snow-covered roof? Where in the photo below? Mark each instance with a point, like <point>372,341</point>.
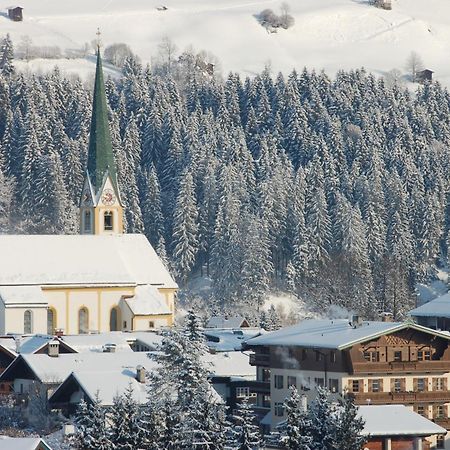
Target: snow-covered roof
<point>30,344</point>
<point>230,364</point>
<point>147,301</point>
<point>439,307</point>
<point>125,259</point>
<point>9,443</point>
<point>228,340</point>
<point>23,296</point>
<point>226,322</point>
<point>336,334</point>
<point>53,370</point>
<point>148,338</point>
<point>396,420</point>
<point>96,342</point>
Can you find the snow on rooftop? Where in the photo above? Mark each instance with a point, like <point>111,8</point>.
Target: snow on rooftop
<point>230,364</point>
<point>337,333</point>
<point>9,443</point>
<point>147,300</point>
<point>229,340</point>
<point>95,342</point>
<point>226,322</point>
<point>396,420</point>
<point>22,295</point>
<point>439,307</point>
<point>126,259</point>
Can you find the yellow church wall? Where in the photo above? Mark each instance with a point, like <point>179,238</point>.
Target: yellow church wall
<point>169,295</point>
<point>14,320</point>
<point>142,323</point>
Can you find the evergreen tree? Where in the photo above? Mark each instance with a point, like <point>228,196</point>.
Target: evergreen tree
<point>245,432</point>
<point>6,57</point>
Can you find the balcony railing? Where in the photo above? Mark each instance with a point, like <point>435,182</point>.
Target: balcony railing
<point>379,398</point>
<point>259,359</point>
<point>443,422</point>
<point>401,366</point>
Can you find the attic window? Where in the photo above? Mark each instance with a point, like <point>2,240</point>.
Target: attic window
<point>87,222</point>
<point>108,221</point>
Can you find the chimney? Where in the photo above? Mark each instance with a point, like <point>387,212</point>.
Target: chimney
<point>140,374</point>
<point>59,332</point>
<point>53,348</point>
<point>304,403</point>
<point>355,321</point>
<point>386,317</point>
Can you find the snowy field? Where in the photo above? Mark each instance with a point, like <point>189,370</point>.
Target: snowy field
<point>328,34</point>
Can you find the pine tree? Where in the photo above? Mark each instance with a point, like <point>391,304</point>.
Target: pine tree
<point>6,57</point>
<point>245,432</point>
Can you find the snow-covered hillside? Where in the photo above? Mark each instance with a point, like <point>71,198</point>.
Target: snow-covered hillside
<point>328,34</point>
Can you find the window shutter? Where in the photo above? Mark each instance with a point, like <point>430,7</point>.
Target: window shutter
<point>434,384</point>
<point>445,383</point>
<point>361,386</point>
<point>370,385</point>
<point>403,385</point>
<point>425,384</point>
<point>434,411</point>
<point>392,384</point>
<point>415,384</point>
<point>381,384</point>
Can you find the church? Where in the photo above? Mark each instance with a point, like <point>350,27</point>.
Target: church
<point>100,280</point>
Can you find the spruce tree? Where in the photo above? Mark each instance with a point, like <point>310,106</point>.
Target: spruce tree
<point>246,434</point>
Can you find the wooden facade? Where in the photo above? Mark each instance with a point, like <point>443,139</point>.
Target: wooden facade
<point>15,13</point>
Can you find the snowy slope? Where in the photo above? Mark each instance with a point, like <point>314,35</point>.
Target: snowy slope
<point>329,34</point>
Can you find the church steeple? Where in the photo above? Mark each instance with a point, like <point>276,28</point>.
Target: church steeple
<point>101,211</point>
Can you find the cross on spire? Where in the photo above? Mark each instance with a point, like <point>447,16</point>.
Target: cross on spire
<point>99,41</point>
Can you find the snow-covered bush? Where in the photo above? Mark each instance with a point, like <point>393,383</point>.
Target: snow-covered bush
<point>271,21</point>
<point>117,54</point>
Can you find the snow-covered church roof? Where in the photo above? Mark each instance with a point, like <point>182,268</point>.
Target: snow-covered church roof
<point>51,260</point>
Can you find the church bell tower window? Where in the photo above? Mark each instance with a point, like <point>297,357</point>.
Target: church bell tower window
<point>108,221</point>
<point>87,222</point>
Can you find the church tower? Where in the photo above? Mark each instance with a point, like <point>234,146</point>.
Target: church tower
<point>101,210</point>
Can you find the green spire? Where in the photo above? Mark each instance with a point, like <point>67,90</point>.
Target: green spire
<point>100,156</point>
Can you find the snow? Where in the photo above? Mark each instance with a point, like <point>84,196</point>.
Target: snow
<point>127,259</point>
<point>23,296</point>
<point>147,300</point>
<point>328,34</point>
<point>225,322</point>
<point>96,342</point>
<point>334,334</point>
<point>439,307</point>
<point>229,340</point>
<point>396,420</point>
<point>8,443</point>
<point>231,364</point>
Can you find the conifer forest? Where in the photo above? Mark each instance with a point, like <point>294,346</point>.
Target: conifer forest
<point>334,189</point>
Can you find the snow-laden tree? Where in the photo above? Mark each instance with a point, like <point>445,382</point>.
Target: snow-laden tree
<point>6,57</point>
<point>246,435</point>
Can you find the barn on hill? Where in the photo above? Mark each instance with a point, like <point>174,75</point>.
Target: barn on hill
<point>424,75</point>
<point>15,13</point>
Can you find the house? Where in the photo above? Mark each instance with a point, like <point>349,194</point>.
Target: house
<point>100,280</point>
<point>228,340</point>
<point>384,4</point>
<point>397,427</point>
<point>22,443</point>
<point>374,362</point>
<point>434,314</point>
<point>15,13</point>
<point>424,76</point>
<point>227,322</point>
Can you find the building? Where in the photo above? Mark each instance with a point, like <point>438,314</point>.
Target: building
<point>434,314</point>
<point>100,280</point>
<point>22,443</point>
<point>15,13</point>
<point>227,322</point>
<point>396,427</point>
<point>424,76</point>
<point>376,362</point>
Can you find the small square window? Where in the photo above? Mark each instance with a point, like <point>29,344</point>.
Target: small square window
<point>421,410</point>
<point>397,356</point>
<point>440,441</point>
<point>124,323</point>
<point>397,385</point>
<point>333,385</point>
<point>333,357</point>
<point>279,409</point>
<point>151,324</point>
<point>376,385</point>
<point>439,384</point>
<point>242,392</point>
<point>292,381</point>
<point>440,412</point>
<point>278,381</point>
<point>355,386</point>
<point>420,384</point>
<point>319,382</point>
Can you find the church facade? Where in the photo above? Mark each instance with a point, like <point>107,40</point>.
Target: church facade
<point>100,280</point>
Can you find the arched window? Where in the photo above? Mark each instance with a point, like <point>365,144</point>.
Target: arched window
<point>28,322</point>
<point>87,222</point>
<point>51,321</point>
<point>108,221</point>
<point>83,320</point>
<point>114,319</point>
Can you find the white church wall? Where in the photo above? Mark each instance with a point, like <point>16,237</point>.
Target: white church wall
<point>143,323</point>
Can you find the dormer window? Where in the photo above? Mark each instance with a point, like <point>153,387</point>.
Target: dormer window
<point>108,221</point>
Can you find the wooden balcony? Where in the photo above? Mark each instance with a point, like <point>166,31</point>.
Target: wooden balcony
<point>259,359</point>
<point>443,422</point>
<point>383,398</point>
<point>401,367</point>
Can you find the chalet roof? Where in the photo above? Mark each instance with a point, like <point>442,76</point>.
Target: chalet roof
<point>334,334</point>
<point>16,443</point>
<point>230,364</point>
<point>109,260</point>
<point>439,307</point>
<point>396,420</point>
<point>227,340</point>
<point>226,322</point>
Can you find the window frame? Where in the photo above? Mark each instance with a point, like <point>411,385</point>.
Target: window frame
<point>28,321</point>
<point>108,225</point>
<point>278,381</point>
<point>278,409</point>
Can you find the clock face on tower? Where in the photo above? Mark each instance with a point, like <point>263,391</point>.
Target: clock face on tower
<point>108,197</point>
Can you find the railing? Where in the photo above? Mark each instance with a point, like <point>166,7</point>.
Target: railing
<point>403,366</point>
<point>443,422</point>
<point>379,398</point>
<point>259,359</point>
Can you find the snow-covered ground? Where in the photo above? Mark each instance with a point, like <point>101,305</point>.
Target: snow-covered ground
<point>328,34</point>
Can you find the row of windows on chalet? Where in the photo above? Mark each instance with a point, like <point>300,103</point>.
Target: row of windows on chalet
<point>399,385</point>
<point>83,321</point>
<point>303,383</point>
<point>375,355</point>
<point>108,222</point>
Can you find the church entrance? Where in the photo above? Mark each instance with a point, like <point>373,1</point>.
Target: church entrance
<point>114,319</point>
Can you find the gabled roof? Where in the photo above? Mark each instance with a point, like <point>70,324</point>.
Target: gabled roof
<point>334,334</point>
<point>108,260</point>
<point>229,340</point>
<point>16,443</point>
<point>439,307</point>
<point>227,322</point>
<point>396,420</point>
